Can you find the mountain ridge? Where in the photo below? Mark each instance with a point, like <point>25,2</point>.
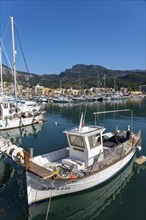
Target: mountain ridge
<point>81,75</point>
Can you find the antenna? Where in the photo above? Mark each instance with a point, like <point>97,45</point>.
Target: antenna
<point>81,122</point>
<point>132,120</point>
<point>85,111</point>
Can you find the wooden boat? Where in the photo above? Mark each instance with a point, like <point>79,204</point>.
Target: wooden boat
<point>94,201</point>
<point>91,158</point>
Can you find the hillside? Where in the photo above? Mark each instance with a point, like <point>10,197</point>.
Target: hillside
<point>83,76</point>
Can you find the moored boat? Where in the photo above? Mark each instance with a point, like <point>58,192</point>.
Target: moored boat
<point>12,117</point>
<point>62,99</point>
<point>80,98</point>
<point>91,158</point>
<point>94,201</point>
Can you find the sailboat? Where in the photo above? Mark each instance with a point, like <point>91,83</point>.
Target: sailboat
<point>12,114</point>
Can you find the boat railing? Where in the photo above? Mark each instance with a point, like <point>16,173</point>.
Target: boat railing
<point>110,155</point>
<point>120,150</point>
<point>135,138</point>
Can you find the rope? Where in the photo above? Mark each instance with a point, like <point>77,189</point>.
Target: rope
<point>21,49</point>
<point>48,209</point>
<point>35,201</point>
<point>6,56</point>
<point>6,30</point>
<point>132,120</point>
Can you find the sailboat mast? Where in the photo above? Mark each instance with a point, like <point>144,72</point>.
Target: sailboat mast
<point>1,73</point>
<point>79,83</point>
<point>104,83</point>
<point>14,56</point>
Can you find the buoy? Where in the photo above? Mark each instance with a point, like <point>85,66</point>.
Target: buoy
<point>57,123</point>
<point>140,160</point>
<point>18,155</point>
<point>11,149</point>
<point>73,176</point>
<point>139,148</point>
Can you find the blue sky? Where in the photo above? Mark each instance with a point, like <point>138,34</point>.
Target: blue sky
<point>55,35</point>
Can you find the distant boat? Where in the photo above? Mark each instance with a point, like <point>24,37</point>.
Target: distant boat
<point>91,158</point>
<point>61,99</point>
<point>116,96</point>
<point>79,98</point>
<point>43,99</point>
<point>98,98</point>
<point>28,105</point>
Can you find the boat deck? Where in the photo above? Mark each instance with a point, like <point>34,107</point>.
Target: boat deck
<point>40,171</point>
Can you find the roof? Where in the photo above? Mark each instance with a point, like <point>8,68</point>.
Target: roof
<point>85,130</point>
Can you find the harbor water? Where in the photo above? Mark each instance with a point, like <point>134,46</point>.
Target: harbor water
<point>123,197</point>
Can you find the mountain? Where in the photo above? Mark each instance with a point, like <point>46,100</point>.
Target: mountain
<point>81,76</point>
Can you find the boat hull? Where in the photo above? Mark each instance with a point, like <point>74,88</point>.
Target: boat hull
<point>19,122</point>
<point>39,191</point>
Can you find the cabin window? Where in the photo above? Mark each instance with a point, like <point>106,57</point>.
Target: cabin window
<point>12,105</point>
<point>94,141</point>
<point>5,105</point>
<point>76,141</point>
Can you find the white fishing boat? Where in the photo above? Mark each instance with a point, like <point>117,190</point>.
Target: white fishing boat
<point>93,201</point>
<point>91,158</point>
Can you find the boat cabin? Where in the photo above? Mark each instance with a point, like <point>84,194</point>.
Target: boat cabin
<point>7,108</point>
<point>85,143</point>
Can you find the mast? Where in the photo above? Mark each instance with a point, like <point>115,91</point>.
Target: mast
<point>1,73</point>
<point>104,83</point>
<point>80,84</point>
<point>98,82</point>
<point>14,57</point>
<point>60,84</point>
<point>114,84</point>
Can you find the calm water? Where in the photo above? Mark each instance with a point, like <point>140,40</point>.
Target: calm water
<point>123,197</point>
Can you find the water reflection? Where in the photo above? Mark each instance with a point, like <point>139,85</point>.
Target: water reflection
<point>5,172</point>
<point>98,203</point>
<point>73,111</point>
<point>13,194</point>
<point>86,205</point>
<point>16,135</point>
